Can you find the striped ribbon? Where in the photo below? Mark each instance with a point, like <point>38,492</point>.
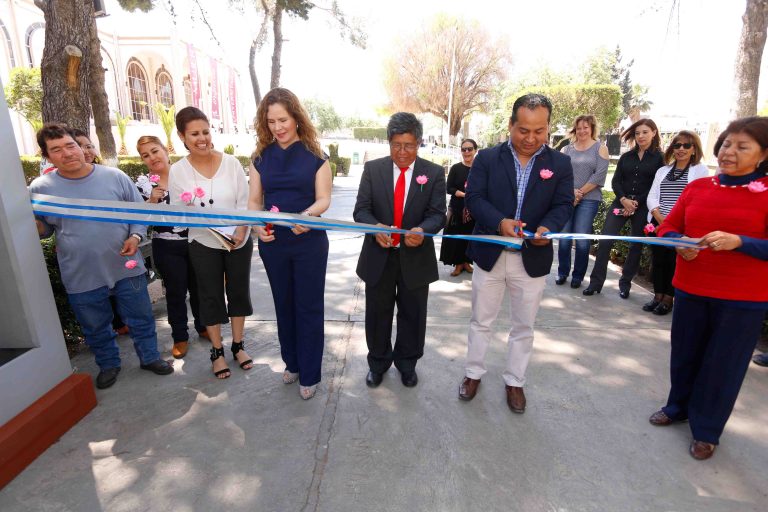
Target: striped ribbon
<point>185,216</point>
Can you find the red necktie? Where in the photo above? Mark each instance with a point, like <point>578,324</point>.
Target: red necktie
<point>399,202</point>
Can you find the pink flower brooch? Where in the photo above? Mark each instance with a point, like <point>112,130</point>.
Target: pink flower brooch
<point>756,187</point>
<point>422,180</point>
<point>649,228</point>
<point>545,174</point>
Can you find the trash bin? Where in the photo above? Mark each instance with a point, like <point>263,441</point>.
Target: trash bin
<point>355,158</point>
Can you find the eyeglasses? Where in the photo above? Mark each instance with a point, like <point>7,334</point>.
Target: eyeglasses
<point>678,145</point>
<point>467,150</point>
<point>399,147</point>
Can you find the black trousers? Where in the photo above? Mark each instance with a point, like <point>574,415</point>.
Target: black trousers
<point>663,268</point>
<point>172,260</point>
<point>613,224</point>
<point>221,272</point>
<point>712,344</point>
<point>380,301</point>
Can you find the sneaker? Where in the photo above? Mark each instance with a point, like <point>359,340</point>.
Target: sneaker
<point>106,378</point>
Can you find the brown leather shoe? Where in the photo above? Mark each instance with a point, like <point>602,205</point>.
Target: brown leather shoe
<point>700,450</point>
<point>468,389</point>
<point>515,399</point>
<point>456,271</point>
<point>179,349</point>
<point>660,419</point>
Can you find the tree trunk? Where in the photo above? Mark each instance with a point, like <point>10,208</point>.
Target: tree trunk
<point>99,98</point>
<point>65,67</point>
<point>252,69</point>
<point>277,30</point>
<point>748,58</point>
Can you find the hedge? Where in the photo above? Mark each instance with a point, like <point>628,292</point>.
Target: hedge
<point>620,250</point>
<point>369,133</point>
<point>130,165</point>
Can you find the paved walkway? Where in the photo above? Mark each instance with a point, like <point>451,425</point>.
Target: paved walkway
<point>600,367</point>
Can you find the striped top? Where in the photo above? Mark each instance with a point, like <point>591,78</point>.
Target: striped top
<point>588,167</point>
<point>670,189</point>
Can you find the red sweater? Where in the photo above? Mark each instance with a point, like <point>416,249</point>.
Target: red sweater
<point>706,206</point>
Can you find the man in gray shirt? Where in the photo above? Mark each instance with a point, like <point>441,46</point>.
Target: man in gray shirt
<point>93,255</point>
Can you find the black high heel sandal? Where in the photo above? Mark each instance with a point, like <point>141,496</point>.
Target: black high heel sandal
<point>237,347</point>
<point>215,354</point>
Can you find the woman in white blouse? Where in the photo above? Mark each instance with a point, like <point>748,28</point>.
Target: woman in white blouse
<point>684,156</point>
<point>208,179</point>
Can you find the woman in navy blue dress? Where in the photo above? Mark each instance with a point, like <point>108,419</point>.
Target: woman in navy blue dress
<point>289,173</point>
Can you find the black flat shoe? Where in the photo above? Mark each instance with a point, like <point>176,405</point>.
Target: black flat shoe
<point>560,280</point>
<point>662,309</point>
<point>590,291</point>
<point>158,367</point>
<point>410,379</point>
<point>106,378</point>
<point>373,379</point>
<point>575,283</point>
<point>624,294</point>
<point>651,305</point>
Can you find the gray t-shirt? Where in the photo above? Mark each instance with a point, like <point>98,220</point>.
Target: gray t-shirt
<point>89,251</point>
<point>588,167</point>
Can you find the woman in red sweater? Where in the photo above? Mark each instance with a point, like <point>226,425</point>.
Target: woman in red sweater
<point>721,288</point>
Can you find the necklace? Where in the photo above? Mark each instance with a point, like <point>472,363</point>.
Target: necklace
<point>210,191</point>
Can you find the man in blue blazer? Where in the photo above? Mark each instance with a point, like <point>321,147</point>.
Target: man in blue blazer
<point>406,191</point>
<point>519,184</point>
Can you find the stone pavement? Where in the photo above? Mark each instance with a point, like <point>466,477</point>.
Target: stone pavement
<point>188,442</point>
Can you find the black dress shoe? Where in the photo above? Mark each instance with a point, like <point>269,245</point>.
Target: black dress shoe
<point>624,294</point>
<point>106,378</point>
<point>575,283</point>
<point>651,305</point>
<point>560,280</point>
<point>410,379</point>
<point>373,379</point>
<point>662,309</point>
<point>589,291</point>
<point>158,367</point>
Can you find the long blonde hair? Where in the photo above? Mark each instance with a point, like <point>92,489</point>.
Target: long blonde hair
<point>304,127</point>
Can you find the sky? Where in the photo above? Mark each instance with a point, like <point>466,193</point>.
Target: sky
<point>683,50</point>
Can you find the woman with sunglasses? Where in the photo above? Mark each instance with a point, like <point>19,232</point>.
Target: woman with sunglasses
<point>453,251</point>
<point>684,157</point>
<point>720,292</point>
<point>631,182</point>
<point>590,166</point>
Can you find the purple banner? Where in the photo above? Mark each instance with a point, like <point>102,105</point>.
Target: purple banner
<point>194,79</point>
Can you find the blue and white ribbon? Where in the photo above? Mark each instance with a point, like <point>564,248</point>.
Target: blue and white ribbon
<point>193,217</point>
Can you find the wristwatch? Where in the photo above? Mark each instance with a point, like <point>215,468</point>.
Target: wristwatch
<point>137,237</point>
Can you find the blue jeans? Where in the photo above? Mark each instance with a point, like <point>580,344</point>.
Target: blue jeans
<point>580,222</point>
<point>94,312</point>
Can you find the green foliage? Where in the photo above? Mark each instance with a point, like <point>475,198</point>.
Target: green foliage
<point>71,329</point>
<point>229,149</point>
<point>323,115</point>
<point>358,122</point>
<point>339,165</point>
<point>24,94</point>
<point>363,133</point>
<point>141,5</point>
<point>333,152</point>
<point>167,117</point>
<point>764,110</point>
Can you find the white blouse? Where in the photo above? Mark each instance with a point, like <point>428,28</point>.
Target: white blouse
<point>228,188</point>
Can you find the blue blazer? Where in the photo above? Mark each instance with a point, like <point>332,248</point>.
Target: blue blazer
<point>492,196</point>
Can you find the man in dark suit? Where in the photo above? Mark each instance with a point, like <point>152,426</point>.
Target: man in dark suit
<point>405,191</point>
<point>521,183</point>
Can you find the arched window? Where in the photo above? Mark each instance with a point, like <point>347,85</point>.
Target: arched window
<point>138,91</point>
<point>164,87</point>
<point>187,83</point>
<point>8,44</point>
<point>34,40</point>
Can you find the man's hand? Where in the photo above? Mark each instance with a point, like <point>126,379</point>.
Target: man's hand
<point>130,246</point>
<point>412,240</point>
<point>538,238</point>
<point>511,227</point>
<point>383,239</point>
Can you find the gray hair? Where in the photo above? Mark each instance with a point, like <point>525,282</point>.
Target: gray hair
<point>531,101</point>
<point>404,122</point>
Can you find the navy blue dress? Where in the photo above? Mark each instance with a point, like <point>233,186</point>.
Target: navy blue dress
<point>295,264</point>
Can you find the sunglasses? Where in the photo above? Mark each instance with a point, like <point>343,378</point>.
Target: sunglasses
<point>467,150</point>
<point>678,145</point>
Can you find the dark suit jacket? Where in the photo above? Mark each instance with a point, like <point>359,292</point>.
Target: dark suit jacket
<point>424,208</point>
<point>492,196</point>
